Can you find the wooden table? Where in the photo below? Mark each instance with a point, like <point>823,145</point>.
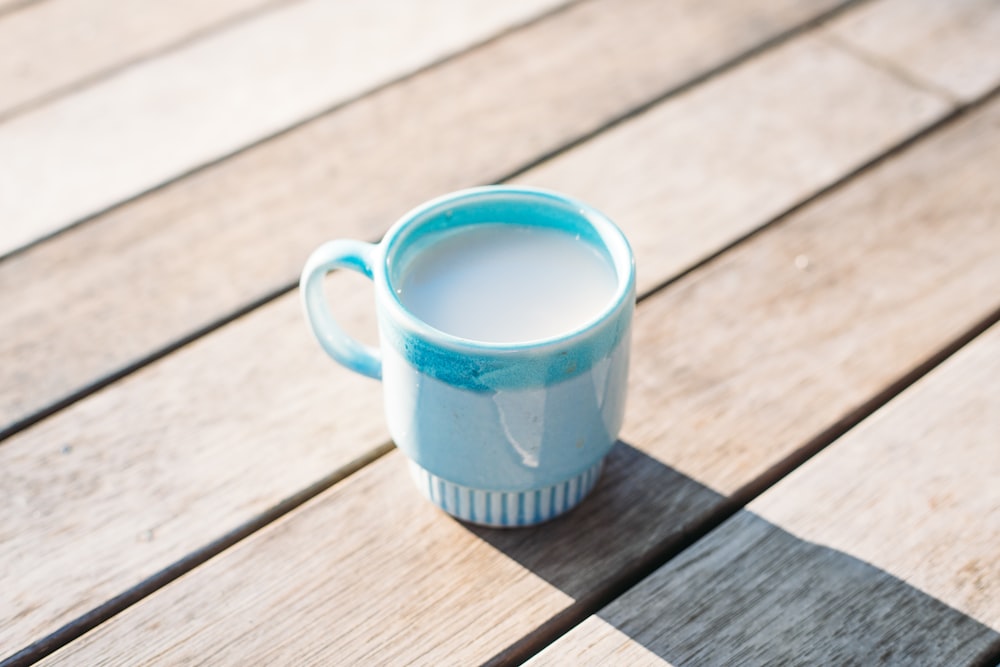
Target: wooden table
<point>809,471</point>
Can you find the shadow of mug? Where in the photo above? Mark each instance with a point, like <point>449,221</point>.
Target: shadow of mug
<point>747,593</point>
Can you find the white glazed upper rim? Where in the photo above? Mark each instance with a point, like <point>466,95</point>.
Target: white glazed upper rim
<point>437,211</point>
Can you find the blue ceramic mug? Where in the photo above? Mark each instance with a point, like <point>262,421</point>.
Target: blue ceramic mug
<point>500,434</point>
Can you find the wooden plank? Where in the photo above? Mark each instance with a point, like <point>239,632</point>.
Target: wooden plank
<point>186,256</point>
<point>883,546</point>
<point>162,118</point>
<point>51,46</point>
<point>738,365</point>
<point>243,429</point>
<point>950,45</point>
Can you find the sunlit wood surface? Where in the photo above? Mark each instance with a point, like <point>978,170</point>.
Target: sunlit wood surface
<point>809,471</point>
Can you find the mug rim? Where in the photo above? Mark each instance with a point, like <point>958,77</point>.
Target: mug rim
<point>611,238</point>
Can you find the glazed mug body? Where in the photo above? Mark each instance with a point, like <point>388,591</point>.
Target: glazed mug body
<point>500,434</point>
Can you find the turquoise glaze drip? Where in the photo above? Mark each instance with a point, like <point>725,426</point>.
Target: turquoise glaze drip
<point>485,367</point>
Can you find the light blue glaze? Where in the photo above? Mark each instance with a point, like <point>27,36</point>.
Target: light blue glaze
<point>340,254</point>
<point>514,439</point>
<point>522,420</point>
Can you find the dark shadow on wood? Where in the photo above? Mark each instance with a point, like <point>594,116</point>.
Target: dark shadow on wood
<point>745,591</point>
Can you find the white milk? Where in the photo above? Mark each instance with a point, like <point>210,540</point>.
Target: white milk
<point>502,283</point>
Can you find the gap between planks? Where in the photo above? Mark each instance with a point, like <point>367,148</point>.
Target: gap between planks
<point>897,70</point>
<point>91,619</point>
<point>88,388</point>
<point>687,85</point>
<point>101,73</point>
<point>953,116</point>
<point>200,164</point>
<point>11,6</point>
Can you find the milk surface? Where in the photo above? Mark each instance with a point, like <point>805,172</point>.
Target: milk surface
<point>503,283</point>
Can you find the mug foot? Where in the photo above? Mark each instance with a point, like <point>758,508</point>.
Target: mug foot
<point>505,509</point>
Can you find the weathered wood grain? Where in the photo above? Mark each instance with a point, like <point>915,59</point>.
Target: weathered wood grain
<point>883,548</point>
<point>12,5</point>
<point>949,45</point>
<point>914,489</point>
<point>737,366</point>
<point>746,136</point>
<point>107,294</point>
<point>54,45</point>
<point>279,405</point>
<point>153,122</point>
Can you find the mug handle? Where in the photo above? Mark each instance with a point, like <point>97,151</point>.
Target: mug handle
<point>341,254</point>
